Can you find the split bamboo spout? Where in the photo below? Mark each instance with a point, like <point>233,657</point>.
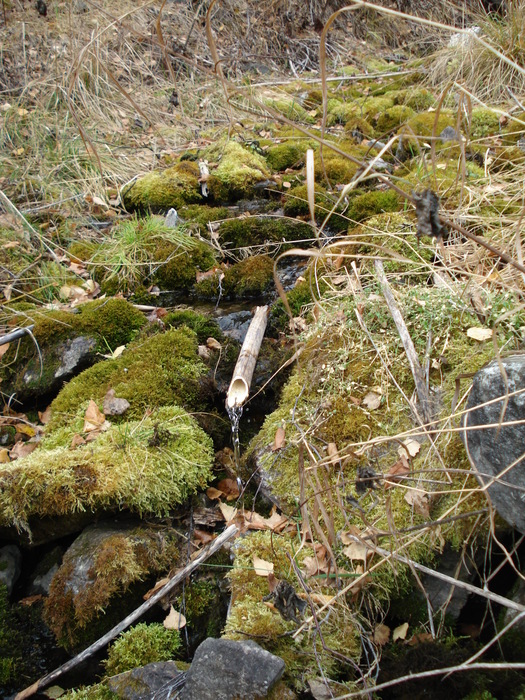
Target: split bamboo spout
<point>242,374</point>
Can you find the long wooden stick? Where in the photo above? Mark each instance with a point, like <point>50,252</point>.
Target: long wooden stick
<point>242,374</point>
<point>14,335</point>
<point>206,553</point>
<point>413,360</point>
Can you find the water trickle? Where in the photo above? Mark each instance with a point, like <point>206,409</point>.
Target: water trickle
<point>234,414</point>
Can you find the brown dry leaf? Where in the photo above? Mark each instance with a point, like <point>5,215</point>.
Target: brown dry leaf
<point>213,344</point>
<point>10,244</point>
<point>4,348</point>
<point>203,537</point>
<point>272,582</point>
<point>213,493</point>
<point>175,620</point>
<point>278,440</point>
<point>160,584</point>
<point>45,416</point>
<point>22,449</point>
<point>321,598</point>
<point>94,419</point>
<point>356,551</point>
<point>418,499</point>
<point>421,638</point>
<point>372,400</point>
<point>396,471</point>
<point>262,567</point>
<point>31,600</point>
<point>400,632</point>
<point>381,634</point>
<point>230,488</point>
<point>76,441</point>
<point>480,334</point>
<point>333,453</point>
<point>347,535</point>
<point>410,448</point>
<point>114,406</point>
<point>4,456</point>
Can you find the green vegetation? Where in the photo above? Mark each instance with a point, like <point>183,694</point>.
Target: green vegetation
<point>160,190</point>
<point>141,645</point>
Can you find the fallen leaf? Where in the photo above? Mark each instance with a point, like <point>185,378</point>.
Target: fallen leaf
<point>175,620</point>
<point>93,418</point>
<point>4,456</point>
<point>357,551</point>
<point>160,584</point>
<point>381,634</point>
<point>372,400</point>
<point>230,488</point>
<point>272,582</point>
<point>421,638</point>
<point>213,493</point>
<point>45,416</point>
<point>22,449</point>
<point>321,598</point>
<point>396,472</point>
<point>418,499</point>
<point>213,344</point>
<point>117,352</point>
<point>400,632</point>
<point>262,567</point>
<point>278,440</point>
<point>114,406</point>
<point>3,349</point>
<point>410,448</point>
<point>228,512</point>
<point>31,600</point>
<point>54,692</point>
<point>7,292</point>
<point>202,536</point>
<point>24,429</point>
<point>76,441</point>
<point>480,333</point>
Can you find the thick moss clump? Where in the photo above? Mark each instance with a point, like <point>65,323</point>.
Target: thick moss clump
<point>237,173</point>
<point>247,279</point>
<point>201,325</point>
<point>162,189</point>
<point>289,154</point>
<point>484,122</point>
<point>393,117</point>
<point>198,216</point>
<point>154,372</point>
<point>146,466</point>
<point>368,204</point>
<point>10,651</point>
<point>104,325</point>
<point>298,298</point>
<point>179,271</point>
<point>249,615</point>
<point>291,109</point>
<point>262,230</point>
<point>422,126</point>
<point>418,99</point>
<point>141,645</point>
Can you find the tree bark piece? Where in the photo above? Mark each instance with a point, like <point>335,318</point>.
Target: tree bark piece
<point>206,553</point>
<point>413,360</point>
<point>242,374</point>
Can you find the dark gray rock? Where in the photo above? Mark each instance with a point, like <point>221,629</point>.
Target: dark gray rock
<point>42,576</point>
<point>448,134</point>
<point>517,595</point>
<point>499,455</point>
<point>226,670</point>
<point>441,594</point>
<point>160,678</point>
<point>10,566</point>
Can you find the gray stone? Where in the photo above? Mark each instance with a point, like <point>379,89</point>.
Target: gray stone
<point>498,455</point>
<point>226,670</point>
<point>42,576</point>
<point>517,595</point>
<point>448,134</point>
<point>442,594</point>
<point>10,566</point>
<point>160,678</point>
<point>74,354</point>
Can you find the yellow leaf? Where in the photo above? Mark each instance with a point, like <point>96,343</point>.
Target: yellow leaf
<point>4,456</point>
<point>228,512</point>
<point>93,418</point>
<point>175,620</point>
<point>262,567</point>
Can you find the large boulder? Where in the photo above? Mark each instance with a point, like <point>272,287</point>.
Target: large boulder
<point>223,669</point>
<point>498,453</point>
<point>147,681</point>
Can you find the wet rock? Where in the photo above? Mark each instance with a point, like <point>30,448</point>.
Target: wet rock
<point>497,454</point>
<point>10,566</point>
<point>41,578</point>
<point>160,678</point>
<point>225,670</point>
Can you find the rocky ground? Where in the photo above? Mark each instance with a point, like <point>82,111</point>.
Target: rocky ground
<point>139,226</point>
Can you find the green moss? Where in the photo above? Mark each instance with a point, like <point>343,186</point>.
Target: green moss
<point>154,372</point>
<point>146,466</point>
<point>10,642</point>
<point>179,271</point>
<point>141,645</point>
<point>198,216</point>
<point>368,204</point>
<point>341,112</point>
<point>423,125</point>
<point>357,125</point>
<point>99,691</point>
<point>291,109</point>
<point>250,278</point>
<point>31,372</point>
<point>289,154</point>
<point>483,122</point>
<point>298,298</point>
<point>417,98</point>
<point>393,117</point>
<point>201,325</point>
<point>161,189</point>
<point>514,129</point>
<point>261,230</point>
<point>237,172</point>
<point>371,108</point>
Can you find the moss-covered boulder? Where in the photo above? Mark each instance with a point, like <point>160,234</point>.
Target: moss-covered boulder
<point>146,466</point>
<point>98,583</point>
<point>288,154</point>
<point>248,279</point>
<point>271,231</point>
<point>160,190</point>
<point>367,204</point>
<point>152,372</point>
<point>393,117</point>
<point>236,171</point>
<point>63,343</point>
<point>484,122</point>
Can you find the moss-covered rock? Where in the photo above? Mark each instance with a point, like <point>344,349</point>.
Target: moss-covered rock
<point>417,98</point>
<point>238,171</point>
<point>101,565</point>
<point>146,466</point>
<point>65,343</point>
<point>141,645</point>
<point>247,279</point>
<point>290,108</point>
<point>296,204</point>
<point>271,231</point>
<point>484,122</point>
<point>393,117</point>
<point>152,372</point>
<point>201,325</point>
<point>422,126</point>
<point>288,154</point>
<point>160,190</point>
<point>367,204</point>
